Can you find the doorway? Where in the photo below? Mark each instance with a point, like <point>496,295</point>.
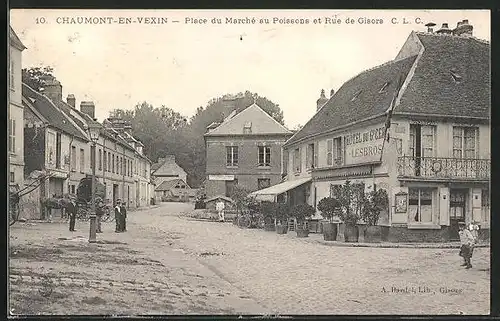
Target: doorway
<point>115,193</point>
<point>458,206</point>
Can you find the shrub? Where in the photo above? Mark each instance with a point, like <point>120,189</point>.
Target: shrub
<point>351,198</point>
<point>376,202</point>
<point>282,213</point>
<point>302,211</point>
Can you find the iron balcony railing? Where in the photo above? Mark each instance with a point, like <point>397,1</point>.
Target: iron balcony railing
<point>444,168</point>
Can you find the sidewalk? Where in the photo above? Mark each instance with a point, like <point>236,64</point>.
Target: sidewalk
<point>318,238</point>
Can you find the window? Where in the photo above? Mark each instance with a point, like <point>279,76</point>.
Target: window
<point>334,152</point>
<point>82,160</point>
<point>12,75</point>
<point>384,87</point>
<point>113,164</point>
<point>105,160</point>
<point>12,177</point>
<point>464,142</point>
<point>73,158</point>
<point>100,159</point>
<point>356,95</point>
<point>125,163</point>
<point>264,156</point>
<point>263,183</point>
<point>311,156</point>
<point>485,198</point>
<point>422,140</point>
<point>51,141</point>
<point>12,136</point>
<point>109,161</point>
<point>297,161</point>
<point>58,150</point>
<point>420,205</point>
<point>231,155</point>
<point>72,189</point>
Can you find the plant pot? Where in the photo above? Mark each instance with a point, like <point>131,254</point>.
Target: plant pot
<point>281,229</point>
<point>329,231</point>
<point>351,233</point>
<point>269,227</point>
<point>373,234</point>
<point>301,232</point>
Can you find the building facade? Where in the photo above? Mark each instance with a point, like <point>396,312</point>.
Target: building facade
<point>166,169</point>
<point>244,150</point>
<point>418,127</point>
<point>16,113</point>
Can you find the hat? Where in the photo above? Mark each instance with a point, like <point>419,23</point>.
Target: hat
<point>461,224</point>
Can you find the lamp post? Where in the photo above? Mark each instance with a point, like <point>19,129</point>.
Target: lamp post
<point>93,131</point>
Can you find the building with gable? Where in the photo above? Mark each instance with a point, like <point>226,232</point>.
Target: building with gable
<point>16,112</point>
<point>417,126</point>
<point>245,149</point>
<point>166,169</point>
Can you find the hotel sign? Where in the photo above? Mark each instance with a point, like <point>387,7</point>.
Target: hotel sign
<point>365,145</point>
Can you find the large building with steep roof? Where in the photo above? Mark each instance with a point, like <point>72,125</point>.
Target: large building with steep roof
<point>244,150</point>
<point>417,126</point>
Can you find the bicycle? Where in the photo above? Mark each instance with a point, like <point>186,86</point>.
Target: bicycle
<point>108,215</point>
<point>82,214</point>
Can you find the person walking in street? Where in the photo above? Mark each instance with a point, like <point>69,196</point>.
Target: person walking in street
<point>123,211</point>
<point>71,210</point>
<point>467,245</point>
<point>118,217</point>
<point>219,207</point>
<point>99,211</point>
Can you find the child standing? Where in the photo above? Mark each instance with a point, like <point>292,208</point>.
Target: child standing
<point>467,244</point>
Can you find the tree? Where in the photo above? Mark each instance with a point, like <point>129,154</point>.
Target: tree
<point>376,202</point>
<point>351,199</point>
<point>328,207</point>
<point>34,76</point>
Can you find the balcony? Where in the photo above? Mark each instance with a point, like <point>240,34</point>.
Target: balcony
<point>442,168</point>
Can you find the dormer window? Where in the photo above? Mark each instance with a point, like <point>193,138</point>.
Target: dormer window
<point>384,88</point>
<point>456,77</point>
<point>247,129</point>
<point>356,95</point>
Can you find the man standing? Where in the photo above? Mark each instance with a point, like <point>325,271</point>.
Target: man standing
<point>467,245</point>
<point>219,207</point>
<point>118,217</point>
<point>99,212</point>
<point>123,211</point>
<point>71,209</point>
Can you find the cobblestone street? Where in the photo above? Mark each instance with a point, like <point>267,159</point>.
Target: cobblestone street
<point>168,263</point>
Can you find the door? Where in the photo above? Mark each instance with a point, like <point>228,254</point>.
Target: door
<point>230,187</point>
<point>457,211</point>
<point>115,193</point>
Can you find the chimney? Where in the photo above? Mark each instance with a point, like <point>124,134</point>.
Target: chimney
<point>463,28</point>
<point>88,107</point>
<point>229,102</point>
<point>71,100</point>
<point>170,158</point>
<point>52,87</point>
<point>127,127</point>
<point>321,101</point>
<point>444,29</point>
<point>332,92</point>
<point>429,27</point>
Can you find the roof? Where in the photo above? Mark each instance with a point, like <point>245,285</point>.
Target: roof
<point>211,199</point>
<point>15,41</point>
<point>51,113</point>
<point>168,184</point>
<point>359,98</point>
<point>433,89</point>
<point>259,121</point>
<point>279,188</point>
<point>168,167</point>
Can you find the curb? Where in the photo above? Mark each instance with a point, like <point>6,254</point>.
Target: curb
<point>396,245</point>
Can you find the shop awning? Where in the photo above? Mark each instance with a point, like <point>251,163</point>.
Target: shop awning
<point>268,194</point>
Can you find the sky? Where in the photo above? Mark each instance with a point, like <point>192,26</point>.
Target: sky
<point>186,61</point>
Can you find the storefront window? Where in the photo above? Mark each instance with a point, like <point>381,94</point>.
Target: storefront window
<point>420,205</point>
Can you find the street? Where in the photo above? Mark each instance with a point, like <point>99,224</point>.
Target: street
<point>168,263</point>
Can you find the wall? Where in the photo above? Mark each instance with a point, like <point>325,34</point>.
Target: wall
<point>35,149</point>
<point>16,159</point>
<point>30,203</point>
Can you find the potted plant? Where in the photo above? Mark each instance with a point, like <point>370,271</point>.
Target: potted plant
<point>281,218</point>
<point>267,209</point>
<point>329,207</point>
<point>301,212</point>
<point>376,202</point>
<point>351,201</point>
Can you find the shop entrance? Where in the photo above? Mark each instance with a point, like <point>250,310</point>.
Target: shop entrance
<point>458,198</point>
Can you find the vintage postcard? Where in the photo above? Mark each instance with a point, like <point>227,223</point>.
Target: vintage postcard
<point>249,162</point>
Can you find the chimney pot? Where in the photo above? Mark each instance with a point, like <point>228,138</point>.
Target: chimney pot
<point>332,92</point>
<point>321,101</point>
<point>429,27</point>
